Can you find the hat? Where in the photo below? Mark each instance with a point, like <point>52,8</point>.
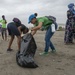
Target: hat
<point>70,5</point>
<point>16,20</point>
<point>3,16</point>
<point>31,17</point>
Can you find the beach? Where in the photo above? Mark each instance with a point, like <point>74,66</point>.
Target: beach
<point>60,63</point>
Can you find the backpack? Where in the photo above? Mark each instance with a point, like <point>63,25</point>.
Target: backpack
<point>54,21</point>
<point>51,18</point>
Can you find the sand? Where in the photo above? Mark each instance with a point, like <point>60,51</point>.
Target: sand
<point>60,63</point>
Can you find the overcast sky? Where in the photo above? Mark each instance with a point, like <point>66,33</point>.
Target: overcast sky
<point>23,8</point>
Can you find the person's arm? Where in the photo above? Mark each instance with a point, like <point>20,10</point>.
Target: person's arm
<point>5,22</point>
<point>33,32</point>
<point>37,27</point>
<point>26,30</point>
<point>19,28</point>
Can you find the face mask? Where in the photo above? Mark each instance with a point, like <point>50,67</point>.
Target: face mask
<point>71,9</point>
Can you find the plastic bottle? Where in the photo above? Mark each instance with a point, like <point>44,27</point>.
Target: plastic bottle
<point>53,27</point>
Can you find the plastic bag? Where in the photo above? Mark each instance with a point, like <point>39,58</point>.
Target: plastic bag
<point>25,57</point>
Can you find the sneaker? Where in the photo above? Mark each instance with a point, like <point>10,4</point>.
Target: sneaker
<point>10,49</point>
<point>43,53</point>
<point>53,51</point>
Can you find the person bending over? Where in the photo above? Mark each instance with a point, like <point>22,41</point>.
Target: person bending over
<point>16,28</point>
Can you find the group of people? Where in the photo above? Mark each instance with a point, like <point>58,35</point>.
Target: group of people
<point>16,28</point>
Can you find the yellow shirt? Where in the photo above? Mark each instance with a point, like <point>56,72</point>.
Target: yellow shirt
<point>3,23</point>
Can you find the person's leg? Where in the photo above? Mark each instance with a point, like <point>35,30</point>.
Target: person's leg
<point>18,41</point>
<point>51,44</point>
<point>66,37</point>
<point>2,32</point>
<point>48,43</point>
<point>5,34</point>
<point>71,37</point>
<point>10,43</point>
<point>17,34</point>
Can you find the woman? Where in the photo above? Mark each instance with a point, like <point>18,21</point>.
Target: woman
<point>15,28</point>
<point>4,28</point>
<point>43,23</point>
<point>70,25</point>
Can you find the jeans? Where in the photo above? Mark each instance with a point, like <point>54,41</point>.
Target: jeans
<point>48,43</point>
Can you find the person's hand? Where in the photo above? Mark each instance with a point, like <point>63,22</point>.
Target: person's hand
<point>32,29</point>
<point>33,32</point>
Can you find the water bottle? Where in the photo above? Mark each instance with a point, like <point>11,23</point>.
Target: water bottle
<point>53,27</point>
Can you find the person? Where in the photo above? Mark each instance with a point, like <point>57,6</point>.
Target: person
<point>4,28</point>
<point>70,25</point>
<point>43,23</point>
<point>16,28</point>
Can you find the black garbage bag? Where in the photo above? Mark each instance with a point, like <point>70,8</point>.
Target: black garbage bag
<point>25,57</point>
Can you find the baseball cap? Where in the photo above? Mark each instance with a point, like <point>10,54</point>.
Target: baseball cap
<point>31,17</point>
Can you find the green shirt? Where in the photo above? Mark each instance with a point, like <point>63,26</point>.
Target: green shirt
<point>3,23</point>
<point>46,22</point>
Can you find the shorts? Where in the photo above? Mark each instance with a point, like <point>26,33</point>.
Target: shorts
<point>4,30</point>
<point>12,29</point>
<point>0,29</point>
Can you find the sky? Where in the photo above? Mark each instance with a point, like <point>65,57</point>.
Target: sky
<point>22,9</point>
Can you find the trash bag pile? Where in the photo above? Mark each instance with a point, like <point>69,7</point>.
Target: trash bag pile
<point>25,57</point>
